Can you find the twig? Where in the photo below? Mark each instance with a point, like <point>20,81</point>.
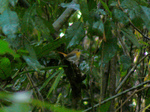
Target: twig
<point>39,96</point>
<point>136,91</point>
<point>130,72</point>
<point>117,95</point>
<point>139,31</point>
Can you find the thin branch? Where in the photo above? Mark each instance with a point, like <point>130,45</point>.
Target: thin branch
<point>136,91</point>
<point>119,94</point>
<point>130,72</point>
<point>63,17</point>
<point>139,31</point>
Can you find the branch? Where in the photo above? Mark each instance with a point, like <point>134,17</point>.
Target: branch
<point>130,72</point>
<point>139,31</point>
<point>63,17</point>
<point>136,91</point>
<point>117,95</point>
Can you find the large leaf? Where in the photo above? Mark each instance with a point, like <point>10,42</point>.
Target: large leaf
<point>5,68</point>
<point>134,9</point>
<point>27,21</point>
<point>44,50</point>
<point>75,34</point>
<point>3,5</point>
<point>13,2</point>
<point>128,33</point>
<point>106,7</point>
<point>146,16</point>
<point>9,22</point>
<point>4,48</point>
<point>98,27</point>
<point>71,5</point>
<point>120,16</point>
<point>108,49</point>
<point>84,10</point>
<point>41,26</point>
<point>126,62</point>
<point>33,63</point>
<point>56,82</point>
<point>30,50</point>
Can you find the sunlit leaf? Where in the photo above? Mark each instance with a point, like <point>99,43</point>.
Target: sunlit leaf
<point>4,48</point>
<point>3,5</point>
<point>13,2</point>
<point>5,68</point>
<point>70,5</point>
<point>9,22</point>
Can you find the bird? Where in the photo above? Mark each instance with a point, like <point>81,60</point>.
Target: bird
<point>73,56</point>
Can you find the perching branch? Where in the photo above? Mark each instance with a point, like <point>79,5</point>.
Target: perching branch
<point>130,72</point>
<point>139,31</point>
<point>136,91</point>
<point>119,94</point>
<point>63,18</point>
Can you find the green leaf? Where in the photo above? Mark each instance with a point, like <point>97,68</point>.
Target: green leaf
<point>125,62</point>
<point>128,33</point>
<point>4,48</point>
<point>146,16</point>
<point>120,16</point>
<point>106,7</point>
<point>13,2</point>
<point>108,49</point>
<point>47,81</point>
<point>98,27</point>
<point>51,107</point>
<point>9,22</point>
<point>3,5</point>
<point>56,82</point>
<point>133,7</point>
<point>27,21</point>
<point>40,25</point>
<point>84,10</point>
<point>33,63</point>
<point>75,34</point>
<point>72,5</point>
<point>44,50</point>
<point>105,107</point>
<point>5,68</point>
<point>30,50</point>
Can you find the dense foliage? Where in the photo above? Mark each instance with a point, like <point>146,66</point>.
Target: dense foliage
<point>112,74</point>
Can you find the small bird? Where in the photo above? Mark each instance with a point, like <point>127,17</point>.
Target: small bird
<point>73,56</point>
